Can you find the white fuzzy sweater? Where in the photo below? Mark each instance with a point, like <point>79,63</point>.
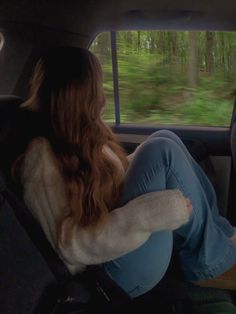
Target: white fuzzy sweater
<point>127,227</point>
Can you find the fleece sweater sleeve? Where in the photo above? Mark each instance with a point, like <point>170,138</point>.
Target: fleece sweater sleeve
<point>126,228</point>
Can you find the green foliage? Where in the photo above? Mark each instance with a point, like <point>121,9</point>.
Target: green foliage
<point>208,109</point>
<point>154,77</point>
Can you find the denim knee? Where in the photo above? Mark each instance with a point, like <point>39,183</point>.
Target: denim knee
<point>159,147</point>
<point>164,133</point>
<point>167,134</point>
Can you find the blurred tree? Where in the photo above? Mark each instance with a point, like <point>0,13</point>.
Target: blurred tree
<point>193,62</point>
<point>209,54</point>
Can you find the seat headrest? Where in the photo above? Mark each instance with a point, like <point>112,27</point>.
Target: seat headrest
<point>9,105</point>
<point>9,100</point>
<point>17,127</point>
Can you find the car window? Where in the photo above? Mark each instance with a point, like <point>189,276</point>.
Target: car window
<point>169,77</point>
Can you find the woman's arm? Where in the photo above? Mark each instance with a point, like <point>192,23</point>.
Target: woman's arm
<point>126,228</point>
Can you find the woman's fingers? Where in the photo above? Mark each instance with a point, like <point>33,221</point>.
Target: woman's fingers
<point>189,205</point>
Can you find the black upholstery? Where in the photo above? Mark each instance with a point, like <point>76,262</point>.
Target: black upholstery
<point>25,275</point>
<point>8,114</point>
<point>17,128</point>
<point>27,284</point>
<point>9,143</point>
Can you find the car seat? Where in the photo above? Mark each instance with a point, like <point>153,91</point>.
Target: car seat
<point>33,278</point>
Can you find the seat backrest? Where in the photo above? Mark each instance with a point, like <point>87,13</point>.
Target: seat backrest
<point>27,258</point>
<point>27,283</point>
<point>8,111</point>
<point>17,128</point>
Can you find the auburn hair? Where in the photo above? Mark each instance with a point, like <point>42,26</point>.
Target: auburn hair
<point>67,89</point>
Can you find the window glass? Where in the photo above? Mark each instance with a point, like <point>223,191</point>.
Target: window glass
<point>101,47</point>
<point>183,78</point>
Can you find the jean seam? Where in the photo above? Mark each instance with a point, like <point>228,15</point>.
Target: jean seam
<point>173,173</point>
<point>181,186</point>
<point>150,174</point>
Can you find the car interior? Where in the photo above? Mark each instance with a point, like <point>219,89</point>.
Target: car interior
<point>33,279</point>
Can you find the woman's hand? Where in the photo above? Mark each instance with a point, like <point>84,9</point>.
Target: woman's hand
<point>189,205</point>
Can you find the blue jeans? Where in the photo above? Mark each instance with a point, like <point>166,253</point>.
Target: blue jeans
<point>204,247</point>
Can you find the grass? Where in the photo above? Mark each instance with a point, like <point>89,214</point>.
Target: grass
<point>172,102</point>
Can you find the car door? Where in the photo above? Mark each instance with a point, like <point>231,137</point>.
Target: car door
<point>177,81</point>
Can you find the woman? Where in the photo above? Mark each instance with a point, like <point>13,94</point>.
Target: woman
<point>75,176</point>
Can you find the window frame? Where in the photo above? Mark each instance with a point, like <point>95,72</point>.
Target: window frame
<point>2,41</point>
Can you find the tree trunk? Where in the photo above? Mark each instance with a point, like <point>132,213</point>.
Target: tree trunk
<point>139,42</point>
<point>193,64</point>
<point>209,51</point>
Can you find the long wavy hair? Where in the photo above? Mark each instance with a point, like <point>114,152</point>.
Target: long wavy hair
<point>67,89</point>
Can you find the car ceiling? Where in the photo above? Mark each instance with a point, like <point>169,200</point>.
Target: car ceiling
<point>88,17</point>
<point>32,26</point>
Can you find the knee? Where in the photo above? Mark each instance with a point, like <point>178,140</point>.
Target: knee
<point>164,133</point>
<point>159,146</point>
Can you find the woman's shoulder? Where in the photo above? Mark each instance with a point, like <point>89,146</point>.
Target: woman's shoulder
<point>38,148</point>
<point>39,155</point>
<point>38,144</point>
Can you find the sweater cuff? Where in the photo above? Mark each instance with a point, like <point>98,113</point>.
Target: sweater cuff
<point>164,210</point>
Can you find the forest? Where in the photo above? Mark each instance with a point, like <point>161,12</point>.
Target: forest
<point>182,78</point>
